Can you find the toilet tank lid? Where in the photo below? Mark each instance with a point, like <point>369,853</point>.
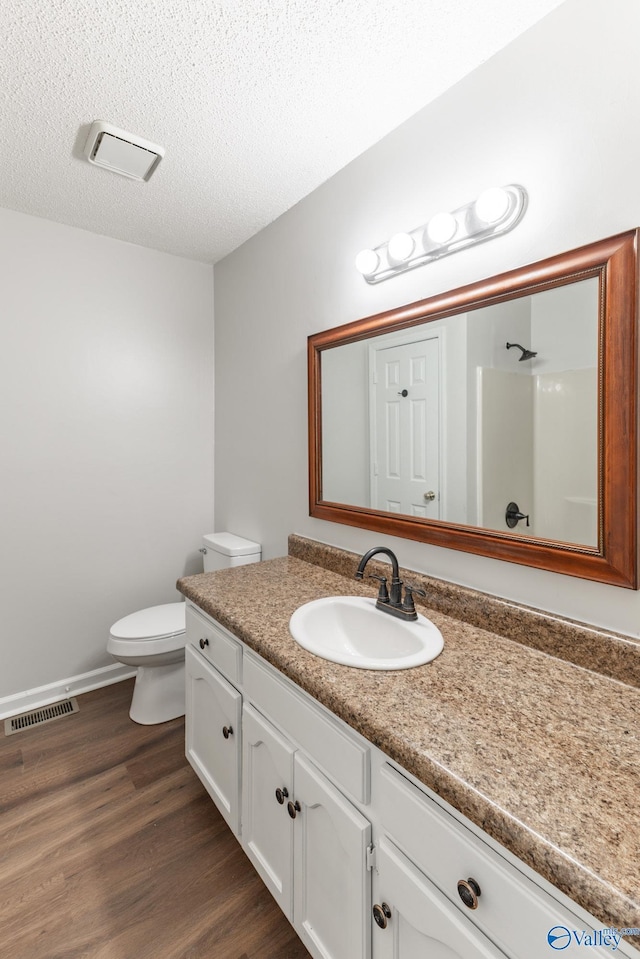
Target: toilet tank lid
<point>230,545</point>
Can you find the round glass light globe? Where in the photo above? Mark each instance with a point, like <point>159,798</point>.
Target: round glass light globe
<point>400,247</point>
<point>492,204</point>
<point>442,227</point>
<point>367,262</point>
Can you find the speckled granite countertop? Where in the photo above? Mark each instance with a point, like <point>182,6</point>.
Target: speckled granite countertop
<point>540,753</point>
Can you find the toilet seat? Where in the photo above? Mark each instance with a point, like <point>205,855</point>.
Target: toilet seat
<point>158,629</point>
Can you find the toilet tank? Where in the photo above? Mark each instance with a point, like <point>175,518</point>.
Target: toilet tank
<point>223,550</point>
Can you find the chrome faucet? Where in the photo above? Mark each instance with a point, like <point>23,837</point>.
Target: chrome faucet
<point>391,601</point>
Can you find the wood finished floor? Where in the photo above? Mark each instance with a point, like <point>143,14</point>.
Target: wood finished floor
<point>110,848</point>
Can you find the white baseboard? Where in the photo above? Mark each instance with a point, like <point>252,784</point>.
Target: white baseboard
<point>43,695</point>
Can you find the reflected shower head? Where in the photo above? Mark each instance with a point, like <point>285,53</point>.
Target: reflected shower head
<point>526,354</point>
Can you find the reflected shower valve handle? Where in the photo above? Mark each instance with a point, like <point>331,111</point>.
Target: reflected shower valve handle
<point>513,515</point>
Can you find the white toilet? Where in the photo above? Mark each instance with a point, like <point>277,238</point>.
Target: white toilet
<point>153,639</point>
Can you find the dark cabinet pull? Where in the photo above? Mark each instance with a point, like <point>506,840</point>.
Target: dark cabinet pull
<point>293,808</point>
<point>469,892</point>
<point>203,643</point>
<point>381,914</point>
<point>281,794</point>
<point>227,731</point>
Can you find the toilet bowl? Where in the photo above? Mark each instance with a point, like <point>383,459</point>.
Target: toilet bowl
<point>154,639</point>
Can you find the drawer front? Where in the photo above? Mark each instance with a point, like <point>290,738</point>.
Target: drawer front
<point>345,760</point>
<point>515,913</point>
<point>215,644</point>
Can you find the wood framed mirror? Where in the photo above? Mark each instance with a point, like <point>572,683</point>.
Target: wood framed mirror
<point>499,418</point>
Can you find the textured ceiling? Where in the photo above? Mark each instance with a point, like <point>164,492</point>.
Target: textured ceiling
<point>257,102</point>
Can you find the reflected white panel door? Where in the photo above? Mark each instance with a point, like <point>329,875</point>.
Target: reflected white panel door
<point>267,785</point>
<point>405,441</point>
<point>419,921</point>
<point>332,887</point>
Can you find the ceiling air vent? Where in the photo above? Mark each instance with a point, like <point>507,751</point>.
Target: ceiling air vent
<point>121,152</point>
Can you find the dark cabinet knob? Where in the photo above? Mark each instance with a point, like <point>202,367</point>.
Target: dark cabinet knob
<point>293,808</point>
<point>281,794</point>
<point>381,914</point>
<point>203,643</point>
<point>469,892</point>
<point>227,731</point>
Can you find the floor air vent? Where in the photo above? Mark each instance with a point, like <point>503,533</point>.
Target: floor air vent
<point>36,717</point>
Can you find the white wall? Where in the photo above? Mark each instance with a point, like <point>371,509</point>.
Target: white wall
<point>565,488</point>
<point>106,386</point>
<point>505,448</point>
<point>564,328</point>
<point>345,425</point>
<point>553,111</point>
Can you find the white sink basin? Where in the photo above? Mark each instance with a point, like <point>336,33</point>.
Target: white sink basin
<point>351,631</point>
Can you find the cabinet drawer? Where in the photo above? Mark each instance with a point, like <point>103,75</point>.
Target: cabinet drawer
<point>345,760</point>
<point>515,913</point>
<point>215,644</point>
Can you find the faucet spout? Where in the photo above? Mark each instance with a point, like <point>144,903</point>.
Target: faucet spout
<point>395,593</point>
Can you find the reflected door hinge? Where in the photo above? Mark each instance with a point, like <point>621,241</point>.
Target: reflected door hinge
<point>371,857</point>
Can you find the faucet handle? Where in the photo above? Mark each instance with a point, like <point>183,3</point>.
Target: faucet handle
<point>383,592</point>
<point>408,603</point>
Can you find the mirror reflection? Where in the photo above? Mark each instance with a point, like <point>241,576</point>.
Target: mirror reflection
<point>488,418</point>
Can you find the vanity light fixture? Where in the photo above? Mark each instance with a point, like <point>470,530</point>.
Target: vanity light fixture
<point>442,228</point>
<point>400,247</point>
<point>492,205</point>
<point>495,211</point>
<point>367,262</point>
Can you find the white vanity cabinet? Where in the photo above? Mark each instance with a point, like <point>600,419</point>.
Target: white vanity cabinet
<point>267,787</point>
<point>363,859</point>
<point>424,842</point>
<point>213,714</point>
<point>306,839</point>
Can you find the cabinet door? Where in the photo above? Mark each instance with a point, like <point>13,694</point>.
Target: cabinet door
<point>332,886</point>
<point>267,828</point>
<point>212,726</point>
<point>422,922</point>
